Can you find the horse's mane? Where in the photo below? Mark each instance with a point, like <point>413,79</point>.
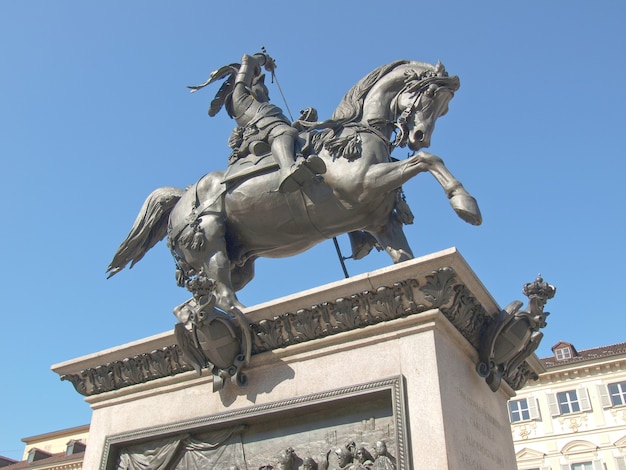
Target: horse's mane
<point>350,108</point>
<point>351,105</point>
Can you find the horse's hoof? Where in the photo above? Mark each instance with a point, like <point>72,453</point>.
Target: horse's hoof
<point>466,208</point>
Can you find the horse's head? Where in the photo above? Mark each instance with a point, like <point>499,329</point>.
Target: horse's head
<point>423,99</point>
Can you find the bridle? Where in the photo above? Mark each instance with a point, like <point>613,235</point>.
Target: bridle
<point>400,124</point>
<point>426,87</point>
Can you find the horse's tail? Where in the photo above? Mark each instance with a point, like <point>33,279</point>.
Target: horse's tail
<point>149,228</point>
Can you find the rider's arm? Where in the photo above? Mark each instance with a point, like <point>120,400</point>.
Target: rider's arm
<point>251,67</point>
<point>242,98</point>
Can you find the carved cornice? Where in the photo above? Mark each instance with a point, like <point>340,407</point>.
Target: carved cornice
<point>167,361</point>
<point>440,289</point>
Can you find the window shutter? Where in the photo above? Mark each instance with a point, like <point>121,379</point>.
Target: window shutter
<point>509,410</point>
<point>583,398</point>
<point>620,463</point>
<point>605,399</point>
<point>533,410</point>
<point>552,404</point>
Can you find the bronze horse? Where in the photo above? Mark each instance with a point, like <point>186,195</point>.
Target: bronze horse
<point>217,229</point>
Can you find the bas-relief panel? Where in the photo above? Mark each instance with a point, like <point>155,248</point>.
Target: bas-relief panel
<point>315,428</point>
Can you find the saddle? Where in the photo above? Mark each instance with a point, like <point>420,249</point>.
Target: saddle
<point>249,166</point>
<point>260,160</point>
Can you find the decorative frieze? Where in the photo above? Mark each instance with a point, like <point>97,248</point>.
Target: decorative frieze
<point>329,318</point>
<point>440,289</point>
<point>167,361</point>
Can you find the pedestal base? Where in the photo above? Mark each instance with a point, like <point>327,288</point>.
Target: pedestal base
<point>389,357</point>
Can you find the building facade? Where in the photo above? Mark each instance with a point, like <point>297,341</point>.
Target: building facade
<point>574,416</point>
<point>58,450</point>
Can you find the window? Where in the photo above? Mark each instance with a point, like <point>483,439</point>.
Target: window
<point>612,394</point>
<point>518,409</point>
<point>570,401</point>
<point>591,465</point>
<point>563,353</point>
<point>617,392</point>
<point>523,410</point>
<point>582,466</point>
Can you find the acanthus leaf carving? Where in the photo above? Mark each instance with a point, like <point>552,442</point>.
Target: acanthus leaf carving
<point>306,325</point>
<point>466,314</point>
<point>346,314</point>
<point>438,289</point>
<point>386,304</point>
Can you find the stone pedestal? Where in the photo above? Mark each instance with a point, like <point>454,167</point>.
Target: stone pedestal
<point>386,356</point>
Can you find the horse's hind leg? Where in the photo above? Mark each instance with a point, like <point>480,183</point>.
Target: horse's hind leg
<point>208,256</point>
<point>218,269</point>
<point>392,239</point>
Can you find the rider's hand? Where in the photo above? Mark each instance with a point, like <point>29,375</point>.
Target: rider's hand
<point>265,60</point>
<point>270,65</point>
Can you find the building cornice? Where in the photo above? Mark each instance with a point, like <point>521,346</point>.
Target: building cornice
<point>585,369</point>
<point>56,434</point>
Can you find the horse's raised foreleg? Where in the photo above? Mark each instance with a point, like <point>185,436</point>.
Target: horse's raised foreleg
<point>390,176</point>
<point>461,201</point>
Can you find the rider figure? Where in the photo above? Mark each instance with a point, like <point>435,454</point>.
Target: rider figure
<point>260,123</point>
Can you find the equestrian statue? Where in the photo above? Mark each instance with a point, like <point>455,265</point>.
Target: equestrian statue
<point>291,185</point>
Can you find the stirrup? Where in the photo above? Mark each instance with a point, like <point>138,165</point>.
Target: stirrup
<point>294,180</point>
<point>315,164</point>
<point>301,172</point>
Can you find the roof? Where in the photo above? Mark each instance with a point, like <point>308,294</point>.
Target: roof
<point>4,461</point>
<point>55,459</point>
<point>561,344</point>
<point>55,434</point>
<point>586,355</point>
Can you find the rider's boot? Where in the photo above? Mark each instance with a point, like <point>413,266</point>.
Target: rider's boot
<point>294,174</point>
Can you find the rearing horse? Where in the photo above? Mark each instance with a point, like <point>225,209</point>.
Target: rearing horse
<point>219,229</point>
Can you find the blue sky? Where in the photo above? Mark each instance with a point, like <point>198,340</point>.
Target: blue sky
<point>95,114</point>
